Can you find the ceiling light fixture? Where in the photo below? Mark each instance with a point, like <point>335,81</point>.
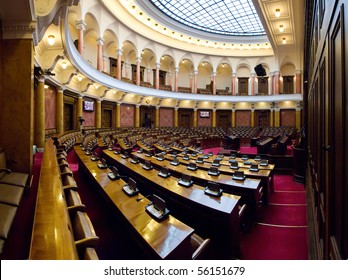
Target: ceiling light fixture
<point>79,78</point>
<point>64,65</point>
<point>277,12</point>
<point>281,28</point>
<point>284,40</point>
<point>51,39</point>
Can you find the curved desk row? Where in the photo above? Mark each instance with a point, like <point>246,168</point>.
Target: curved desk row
<point>168,239</point>
<point>191,204</point>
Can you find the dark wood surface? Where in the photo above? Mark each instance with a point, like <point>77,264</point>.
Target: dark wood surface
<point>191,204</point>
<point>168,239</point>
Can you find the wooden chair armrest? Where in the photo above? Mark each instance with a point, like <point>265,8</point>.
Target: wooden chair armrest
<point>91,241</point>
<point>75,208</point>
<point>70,187</point>
<point>8,171</point>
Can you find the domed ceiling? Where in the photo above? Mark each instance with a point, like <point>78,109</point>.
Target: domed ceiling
<point>226,17</point>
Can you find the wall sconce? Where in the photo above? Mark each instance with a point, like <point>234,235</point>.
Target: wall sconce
<point>51,39</point>
<point>281,28</point>
<point>284,40</point>
<point>63,65</point>
<point>277,12</point>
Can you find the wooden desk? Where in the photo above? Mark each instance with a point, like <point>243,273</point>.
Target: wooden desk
<point>142,146</point>
<point>168,239</point>
<point>122,145</point>
<point>51,237</point>
<point>191,204</point>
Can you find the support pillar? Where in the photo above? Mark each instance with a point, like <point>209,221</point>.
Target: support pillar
<point>195,117</point>
<point>176,117</point>
<point>118,115</point>
<point>60,111</point>
<point>157,119</point>
<point>214,118</point>
<point>40,114</point>
<point>119,64</point>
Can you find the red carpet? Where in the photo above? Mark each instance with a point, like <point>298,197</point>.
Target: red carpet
<point>287,197</point>
<point>265,242</point>
<point>284,215</point>
<point>281,229</point>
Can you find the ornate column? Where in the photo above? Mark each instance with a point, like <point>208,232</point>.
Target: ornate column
<point>118,115</point>
<point>298,81</point>
<point>271,84</point>
<point>195,81</point>
<point>100,43</point>
<point>60,110</point>
<point>176,117</point>
<point>158,65</point>
<point>119,64</point>
<point>81,27</point>
<point>271,119</point>
<point>40,113</point>
<point>236,85</point>
<point>98,113</point>
<point>233,84</point>
<point>233,118</point>
<point>276,117</point>
<point>195,117</point>
<point>176,79</point>
<point>137,77</point>
<point>79,107</point>
<point>157,119</point>
<point>137,116</point>
<point>214,118</point>
<point>252,84</point>
<point>252,118</point>
<point>276,82</point>
<point>214,83</point>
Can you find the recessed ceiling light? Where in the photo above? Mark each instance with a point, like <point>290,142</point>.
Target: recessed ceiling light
<point>51,39</point>
<point>277,12</point>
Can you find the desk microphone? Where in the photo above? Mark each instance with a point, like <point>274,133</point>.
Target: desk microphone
<point>141,198</point>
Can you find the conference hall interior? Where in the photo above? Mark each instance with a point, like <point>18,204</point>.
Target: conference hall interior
<point>173,130</point>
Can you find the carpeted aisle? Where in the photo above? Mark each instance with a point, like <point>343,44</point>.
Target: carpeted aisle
<point>280,232</point>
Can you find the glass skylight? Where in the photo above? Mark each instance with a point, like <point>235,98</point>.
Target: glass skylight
<point>226,17</point>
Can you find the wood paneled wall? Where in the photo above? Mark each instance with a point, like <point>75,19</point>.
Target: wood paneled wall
<point>326,60</point>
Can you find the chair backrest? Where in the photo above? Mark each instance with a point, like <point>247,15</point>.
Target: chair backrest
<point>199,247</point>
<point>83,230</point>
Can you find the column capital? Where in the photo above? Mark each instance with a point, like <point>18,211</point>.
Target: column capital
<point>138,59</point>
<point>214,73</point>
<point>177,69</point>
<point>158,65</point>
<point>100,41</point>
<point>81,24</point>
<point>61,89</point>
<point>195,72</point>
<point>234,74</point>
<point>119,51</point>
